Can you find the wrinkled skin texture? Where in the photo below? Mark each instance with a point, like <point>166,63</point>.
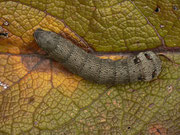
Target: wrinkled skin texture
<point>143,67</point>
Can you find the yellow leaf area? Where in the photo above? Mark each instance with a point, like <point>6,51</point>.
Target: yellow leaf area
<point>21,21</point>
<point>39,96</point>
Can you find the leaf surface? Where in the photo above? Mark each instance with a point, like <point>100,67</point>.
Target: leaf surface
<point>39,96</point>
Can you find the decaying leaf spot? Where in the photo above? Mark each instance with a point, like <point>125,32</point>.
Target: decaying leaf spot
<point>162,26</point>
<point>157,9</point>
<point>157,129</point>
<point>170,89</point>
<point>175,7</point>
<point>6,23</point>
<point>30,62</point>
<point>143,67</point>
<point>5,86</point>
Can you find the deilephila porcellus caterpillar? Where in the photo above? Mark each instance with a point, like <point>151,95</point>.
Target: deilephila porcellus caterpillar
<point>143,67</point>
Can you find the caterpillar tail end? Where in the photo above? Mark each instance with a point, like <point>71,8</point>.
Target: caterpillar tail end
<point>45,39</point>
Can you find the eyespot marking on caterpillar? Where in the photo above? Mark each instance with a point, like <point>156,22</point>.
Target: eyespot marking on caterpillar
<point>147,56</point>
<point>137,60</point>
<point>144,66</point>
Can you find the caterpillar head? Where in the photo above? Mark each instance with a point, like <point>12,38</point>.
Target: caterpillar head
<point>46,40</point>
<point>150,65</point>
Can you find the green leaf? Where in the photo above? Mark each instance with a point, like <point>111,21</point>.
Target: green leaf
<point>39,96</point>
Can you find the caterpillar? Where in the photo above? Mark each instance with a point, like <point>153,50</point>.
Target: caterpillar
<point>144,66</point>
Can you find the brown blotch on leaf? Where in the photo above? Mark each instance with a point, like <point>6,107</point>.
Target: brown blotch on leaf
<point>30,61</point>
<point>157,129</point>
<point>58,67</point>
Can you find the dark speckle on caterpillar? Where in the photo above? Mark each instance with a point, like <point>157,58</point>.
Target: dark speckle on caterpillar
<point>143,67</point>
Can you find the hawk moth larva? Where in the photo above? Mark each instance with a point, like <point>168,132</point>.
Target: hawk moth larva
<point>143,67</point>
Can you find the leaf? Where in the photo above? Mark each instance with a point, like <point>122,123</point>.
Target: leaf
<point>39,96</point>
